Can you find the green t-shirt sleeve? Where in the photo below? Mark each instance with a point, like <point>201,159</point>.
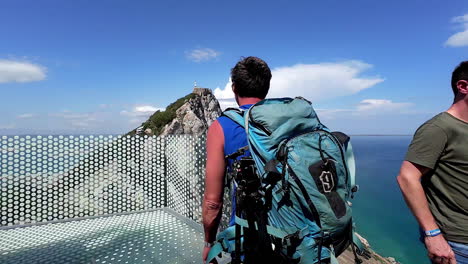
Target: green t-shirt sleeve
<point>428,143</point>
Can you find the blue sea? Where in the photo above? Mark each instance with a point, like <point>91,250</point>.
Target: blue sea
<point>379,210</point>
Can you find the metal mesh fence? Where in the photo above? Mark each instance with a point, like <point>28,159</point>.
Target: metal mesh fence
<point>185,167</point>
<point>48,178</point>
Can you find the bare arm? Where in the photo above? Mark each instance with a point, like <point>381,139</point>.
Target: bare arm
<point>214,181</point>
<point>409,180</point>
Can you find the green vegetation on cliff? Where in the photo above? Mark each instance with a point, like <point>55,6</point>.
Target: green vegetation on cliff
<point>159,119</point>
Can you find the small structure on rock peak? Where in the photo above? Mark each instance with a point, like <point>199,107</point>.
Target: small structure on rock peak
<point>201,91</point>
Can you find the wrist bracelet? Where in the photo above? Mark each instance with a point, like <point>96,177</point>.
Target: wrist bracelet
<point>433,233</point>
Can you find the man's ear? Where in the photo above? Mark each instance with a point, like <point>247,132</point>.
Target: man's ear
<point>233,88</point>
<point>462,86</point>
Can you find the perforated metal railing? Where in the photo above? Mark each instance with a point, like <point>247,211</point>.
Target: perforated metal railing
<point>136,198</point>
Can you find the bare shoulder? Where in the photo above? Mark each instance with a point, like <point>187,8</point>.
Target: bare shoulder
<point>215,136</point>
<point>215,127</point>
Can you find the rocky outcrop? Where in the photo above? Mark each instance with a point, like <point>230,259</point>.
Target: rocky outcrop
<point>195,116</point>
<point>347,257</point>
<point>190,115</point>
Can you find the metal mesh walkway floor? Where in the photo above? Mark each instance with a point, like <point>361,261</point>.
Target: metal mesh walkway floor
<point>160,236</point>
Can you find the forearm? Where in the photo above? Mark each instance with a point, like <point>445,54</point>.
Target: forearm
<point>211,218</point>
<point>415,198</point>
<point>214,181</point>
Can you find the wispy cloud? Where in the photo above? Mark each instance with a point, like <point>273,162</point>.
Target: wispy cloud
<point>202,54</point>
<point>72,115</point>
<point>81,123</point>
<point>80,120</point>
<point>376,117</point>
<point>332,113</point>
<point>313,81</point>
<point>9,126</point>
<point>104,119</point>
<point>141,111</point>
<point>459,39</point>
<point>371,106</point>
<point>367,107</point>
<point>138,114</point>
<point>226,103</point>
<point>21,71</point>
<point>26,116</point>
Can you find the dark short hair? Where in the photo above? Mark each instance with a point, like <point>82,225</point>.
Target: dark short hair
<point>251,77</point>
<point>460,73</point>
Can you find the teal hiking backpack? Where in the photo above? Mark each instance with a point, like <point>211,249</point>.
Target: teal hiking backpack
<point>292,194</point>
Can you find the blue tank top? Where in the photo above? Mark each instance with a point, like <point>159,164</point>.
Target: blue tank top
<point>234,139</point>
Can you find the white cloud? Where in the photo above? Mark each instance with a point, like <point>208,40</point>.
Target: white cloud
<point>80,124</point>
<point>146,109</point>
<point>380,105</point>
<point>226,93</point>
<point>26,116</point>
<point>21,71</point>
<point>141,111</point>
<point>460,19</point>
<point>320,81</point>
<point>315,81</point>
<point>80,120</point>
<point>459,39</point>
<point>331,113</point>
<point>365,108</point>
<point>71,115</point>
<point>202,54</point>
<point>225,96</point>
<point>226,103</point>
<point>102,120</point>
<point>9,126</point>
<point>375,117</point>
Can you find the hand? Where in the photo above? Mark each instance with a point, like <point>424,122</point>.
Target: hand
<point>206,250</point>
<point>439,251</point>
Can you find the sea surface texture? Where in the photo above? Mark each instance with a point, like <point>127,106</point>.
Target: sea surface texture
<point>379,209</point>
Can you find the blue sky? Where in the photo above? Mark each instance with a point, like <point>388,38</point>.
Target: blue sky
<point>370,67</point>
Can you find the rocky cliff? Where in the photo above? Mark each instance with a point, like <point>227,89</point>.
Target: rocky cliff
<point>192,115</point>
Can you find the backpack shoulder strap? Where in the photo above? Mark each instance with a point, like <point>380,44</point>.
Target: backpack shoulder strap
<point>236,115</point>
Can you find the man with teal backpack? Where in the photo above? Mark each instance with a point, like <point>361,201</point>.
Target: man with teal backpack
<point>291,179</point>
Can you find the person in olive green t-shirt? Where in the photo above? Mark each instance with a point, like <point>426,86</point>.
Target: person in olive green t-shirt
<point>434,177</point>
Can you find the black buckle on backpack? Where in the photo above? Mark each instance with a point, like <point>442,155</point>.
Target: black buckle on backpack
<point>291,238</point>
<point>295,237</point>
